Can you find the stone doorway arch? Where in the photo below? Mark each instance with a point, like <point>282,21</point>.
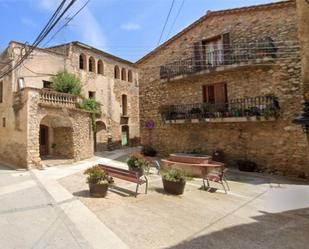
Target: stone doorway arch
<point>100,137</point>
<point>56,137</point>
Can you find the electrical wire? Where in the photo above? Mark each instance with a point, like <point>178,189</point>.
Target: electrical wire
<point>178,13</point>
<point>56,17</point>
<point>66,24</point>
<point>166,21</point>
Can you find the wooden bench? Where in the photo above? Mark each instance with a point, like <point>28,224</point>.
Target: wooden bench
<point>127,175</point>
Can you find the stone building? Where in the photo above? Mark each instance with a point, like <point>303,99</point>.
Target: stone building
<point>231,81</point>
<point>39,123</point>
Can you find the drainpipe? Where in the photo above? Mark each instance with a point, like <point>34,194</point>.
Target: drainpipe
<point>302,7</point>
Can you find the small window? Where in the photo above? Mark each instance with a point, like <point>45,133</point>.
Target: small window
<point>47,84</point>
<point>124,100</point>
<point>82,61</point>
<point>3,122</point>
<point>130,76</point>
<point>117,72</point>
<point>1,91</point>
<point>123,74</point>
<point>91,95</point>
<point>100,67</point>
<point>91,64</point>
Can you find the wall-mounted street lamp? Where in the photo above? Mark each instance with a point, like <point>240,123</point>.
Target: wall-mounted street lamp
<point>303,120</point>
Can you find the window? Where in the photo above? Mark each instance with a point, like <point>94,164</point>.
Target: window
<point>47,84</point>
<point>82,61</point>
<point>213,52</point>
<point>215,94</point>
<point>100,67</point>
<point>91,95</point>
<point>3,122</point>
<point>124,101</point>
<point>1,91</point>
<point>91,64</point>
<point>130,76</point>
<point>117,72</point>
<point>123,74</point>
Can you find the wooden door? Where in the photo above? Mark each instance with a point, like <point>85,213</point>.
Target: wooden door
<point>43,140</point>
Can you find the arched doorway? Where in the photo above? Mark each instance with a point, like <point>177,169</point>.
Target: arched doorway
<point>56,137</point>
<point>100,138</point>
<point>125,136</point>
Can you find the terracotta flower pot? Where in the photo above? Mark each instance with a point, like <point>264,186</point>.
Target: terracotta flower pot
<point>174,188</point>
<point>98,190</point>
<point>140,171</point>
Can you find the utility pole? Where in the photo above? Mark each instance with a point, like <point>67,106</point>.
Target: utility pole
<point>303,33</point>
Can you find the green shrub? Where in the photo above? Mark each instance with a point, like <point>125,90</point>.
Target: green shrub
<point>90,105</point>
<point>96,175</point>
<point>66,82</point>
<point>175,175</point>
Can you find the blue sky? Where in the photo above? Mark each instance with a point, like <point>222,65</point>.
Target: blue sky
<point>126,28</point>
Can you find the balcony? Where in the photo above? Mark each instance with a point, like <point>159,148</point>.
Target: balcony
<point>264,53</point>
<point>52,98</point>
<point>262,108</point>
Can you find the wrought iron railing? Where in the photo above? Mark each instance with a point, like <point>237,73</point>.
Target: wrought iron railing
<point>262,106</point>
<point>232,54</point>
<point>57,98</point>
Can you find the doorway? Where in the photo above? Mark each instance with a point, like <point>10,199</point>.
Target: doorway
<point>125,135</point>
<point>43,140</point>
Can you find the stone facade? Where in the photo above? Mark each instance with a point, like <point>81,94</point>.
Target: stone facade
<point>276,146</point>
<point>33,119</point>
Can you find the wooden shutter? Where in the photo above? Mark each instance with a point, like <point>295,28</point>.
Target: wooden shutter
<point>220,93</point>
<point>1,91</point>
<point>205,94</point>
<point>226,40</point>
<point>198,55</point>
<point>221,96</point>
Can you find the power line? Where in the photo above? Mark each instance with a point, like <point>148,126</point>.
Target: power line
<point>56,17</point>
<point>166,21</point>
<point>178,13</point>
<point>66,24</point>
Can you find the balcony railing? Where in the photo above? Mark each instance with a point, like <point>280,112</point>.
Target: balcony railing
<point>257,52</point>
<point>263,106</point>
<point>57,98</point>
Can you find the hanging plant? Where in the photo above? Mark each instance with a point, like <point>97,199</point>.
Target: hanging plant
<point>92,106</point>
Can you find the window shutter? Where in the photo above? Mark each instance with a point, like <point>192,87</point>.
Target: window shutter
<point>205,94</point>
<point>226,40</point>
<point>220,93</point>
<point>198,55</point>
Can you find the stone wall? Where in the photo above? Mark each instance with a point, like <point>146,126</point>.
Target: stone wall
<point>61,119</point>
<point>63,142</point>
<point>278,146</point>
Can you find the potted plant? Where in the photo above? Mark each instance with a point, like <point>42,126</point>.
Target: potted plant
<point>246,165</point>
<point>147,150</point>
<point>174,181</point>
<point>98,181</point>
<point>138,163</point>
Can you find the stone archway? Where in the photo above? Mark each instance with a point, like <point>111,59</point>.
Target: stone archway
<point>56,137</point>
<point>100,138</point>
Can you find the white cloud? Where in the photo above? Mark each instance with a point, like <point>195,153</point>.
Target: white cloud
<point>130,26</point>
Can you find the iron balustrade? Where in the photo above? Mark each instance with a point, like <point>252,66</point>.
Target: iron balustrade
<point>234,54</point>
<point>262,106</point>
